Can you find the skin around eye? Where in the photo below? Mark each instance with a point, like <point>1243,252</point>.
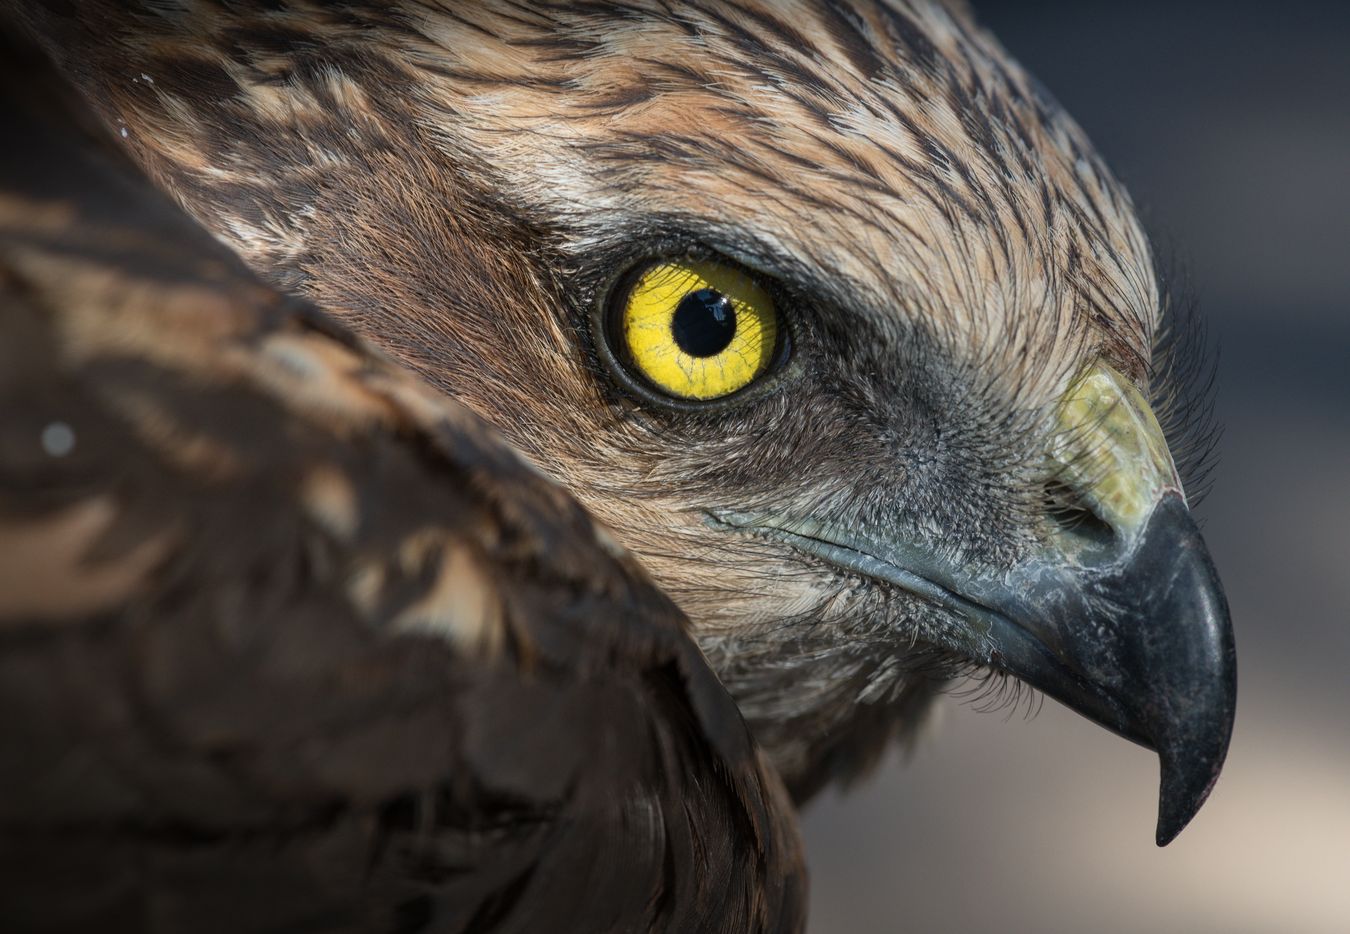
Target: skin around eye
<point>698,330</point>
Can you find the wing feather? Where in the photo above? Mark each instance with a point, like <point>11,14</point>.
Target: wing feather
<point>289,641</point>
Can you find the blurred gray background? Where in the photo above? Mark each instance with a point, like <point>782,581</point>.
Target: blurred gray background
<point>1230,123</point>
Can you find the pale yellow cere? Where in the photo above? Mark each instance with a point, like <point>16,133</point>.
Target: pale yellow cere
<point>647,326</point>
<point>1112,449</point>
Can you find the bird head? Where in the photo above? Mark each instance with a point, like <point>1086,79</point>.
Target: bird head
<point>827,310</point>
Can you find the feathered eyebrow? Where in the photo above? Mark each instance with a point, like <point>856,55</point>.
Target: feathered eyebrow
<point>666,234</point>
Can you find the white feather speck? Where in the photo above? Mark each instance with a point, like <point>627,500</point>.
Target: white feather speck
<point>58,439</point>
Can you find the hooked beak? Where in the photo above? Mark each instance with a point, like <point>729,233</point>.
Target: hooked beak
<point>1145,640</point>
<point>1125,622</point>
<point>1141,644</point>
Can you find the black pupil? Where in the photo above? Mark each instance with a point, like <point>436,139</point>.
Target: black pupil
<point>704,323</point>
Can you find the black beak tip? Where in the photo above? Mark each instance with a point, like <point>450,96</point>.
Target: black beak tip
<point>1181,795</point>
<point>1192,758</point>
<point>1187,665</point>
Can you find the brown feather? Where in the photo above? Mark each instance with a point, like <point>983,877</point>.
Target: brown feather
<point>289,640</point>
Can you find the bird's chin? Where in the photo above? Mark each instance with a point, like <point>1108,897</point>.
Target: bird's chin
<point>1133,635</point>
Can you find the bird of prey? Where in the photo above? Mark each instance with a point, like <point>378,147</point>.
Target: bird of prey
<point>825,310</point>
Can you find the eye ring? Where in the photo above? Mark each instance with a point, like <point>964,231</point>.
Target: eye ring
<point>692,332</point>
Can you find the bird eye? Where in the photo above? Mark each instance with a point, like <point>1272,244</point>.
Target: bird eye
<point>696,329</point>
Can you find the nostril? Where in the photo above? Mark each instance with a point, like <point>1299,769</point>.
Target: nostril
<point>1074,519</point>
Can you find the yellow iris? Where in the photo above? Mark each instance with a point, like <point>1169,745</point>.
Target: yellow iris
<point>699,330</point>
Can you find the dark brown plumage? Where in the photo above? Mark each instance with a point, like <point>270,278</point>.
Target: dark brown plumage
<point>290,642</point>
